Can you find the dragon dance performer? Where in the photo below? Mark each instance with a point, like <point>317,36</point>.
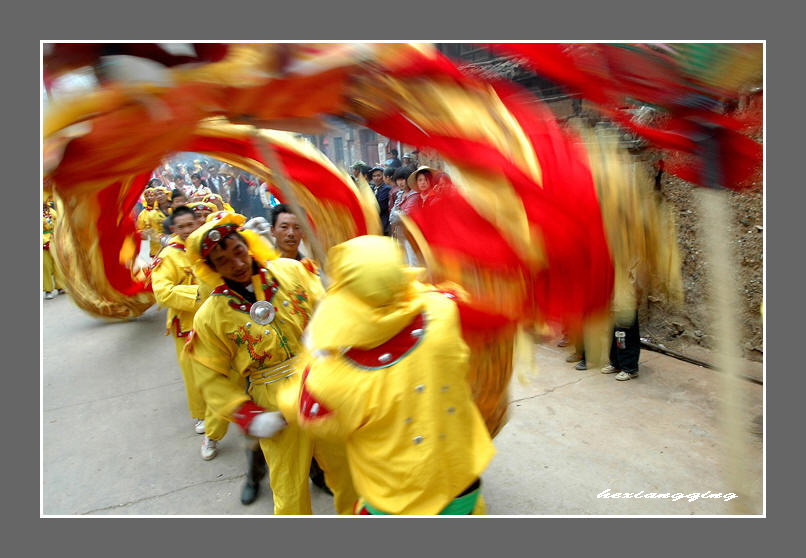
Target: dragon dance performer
<point>202,209</point>
<point>245,338</point>
<point>143,222</point>
<point>52,283</point>
<point>218,202</point>
<point>149,221</point>
<point>177,289</point>
<point>386,372</point>
<point>287,233</point>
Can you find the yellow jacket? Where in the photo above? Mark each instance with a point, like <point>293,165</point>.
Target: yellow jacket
<point>414,437</point>
<point>151,224</point>
<point>49,218</point>
<point>176,288</point>
<point>227,346</point>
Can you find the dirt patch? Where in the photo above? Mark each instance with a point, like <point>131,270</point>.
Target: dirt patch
<point>683,328</point>
<point>689,329</point>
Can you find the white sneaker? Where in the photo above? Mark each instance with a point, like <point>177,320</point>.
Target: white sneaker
<point>50,295</point>
<point>610,369</point>
<point>199,426</point>
<point>208,449</point>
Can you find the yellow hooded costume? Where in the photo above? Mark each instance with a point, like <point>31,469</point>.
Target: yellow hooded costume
<point>239,360</point>
<point>386,371</point>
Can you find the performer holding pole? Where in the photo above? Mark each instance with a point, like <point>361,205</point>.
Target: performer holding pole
<point>246,336</point>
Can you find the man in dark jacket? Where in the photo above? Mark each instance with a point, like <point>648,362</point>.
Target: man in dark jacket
<point>381,191</point>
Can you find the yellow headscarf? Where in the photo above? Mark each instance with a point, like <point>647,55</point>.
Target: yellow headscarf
<point>259,247</point>
<point>373,295</point>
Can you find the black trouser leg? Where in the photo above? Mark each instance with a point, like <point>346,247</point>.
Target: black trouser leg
<point>257,465</point>
<point>317,475</point>
<point>626,358</point>
<point>255,473</point>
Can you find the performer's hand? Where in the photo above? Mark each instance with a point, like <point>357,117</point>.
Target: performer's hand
<point>257,422</point>
<point>266,425</point>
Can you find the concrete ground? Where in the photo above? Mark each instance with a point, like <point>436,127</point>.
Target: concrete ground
<point>117,438</point>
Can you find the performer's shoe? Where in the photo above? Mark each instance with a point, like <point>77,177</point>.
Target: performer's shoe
<point>61,291</point>
<point>582,365</point>
<point>249,492</point>
<point>610,369</point>
<point>50,295</point>
<point>199,426</point>
<point>624,375</point>
<point>575,357</point>
<point>208,449</point>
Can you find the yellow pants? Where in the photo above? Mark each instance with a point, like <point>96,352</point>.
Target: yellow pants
<point>51,276</point>
<point>215,426</point>
<point>288,455</point>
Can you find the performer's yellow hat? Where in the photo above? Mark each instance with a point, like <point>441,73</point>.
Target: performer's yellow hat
<point>198,206</point>
<point>219,225</point>
<point>372,296</point>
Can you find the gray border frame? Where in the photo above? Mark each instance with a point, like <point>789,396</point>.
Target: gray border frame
<point>411,21</point>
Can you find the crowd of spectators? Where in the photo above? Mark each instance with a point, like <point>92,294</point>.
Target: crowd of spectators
<point>200,179</point>
<point>400,185</point>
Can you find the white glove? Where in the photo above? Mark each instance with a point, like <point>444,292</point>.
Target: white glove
<point>266,425</point>
<point>257,224</point>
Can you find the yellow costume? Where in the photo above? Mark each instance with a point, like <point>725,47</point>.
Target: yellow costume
<point>209,197</point>
<point>237,360</point>
<point>386,371</point>
<point>176,288</point>
<point>149,222</point>
<point>51,276</point>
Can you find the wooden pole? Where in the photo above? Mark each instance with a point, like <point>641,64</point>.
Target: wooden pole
<point>722,287</point>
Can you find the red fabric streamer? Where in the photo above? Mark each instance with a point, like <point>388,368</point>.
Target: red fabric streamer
<point>114,227</point>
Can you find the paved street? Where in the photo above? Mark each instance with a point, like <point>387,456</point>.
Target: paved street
<point>117,438</point>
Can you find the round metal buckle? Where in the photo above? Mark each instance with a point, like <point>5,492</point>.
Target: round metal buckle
<point>262,312</point>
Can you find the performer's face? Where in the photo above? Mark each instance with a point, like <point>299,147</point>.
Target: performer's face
<point>232,260</point>
<point>287,233</point>
<point>185,224</point>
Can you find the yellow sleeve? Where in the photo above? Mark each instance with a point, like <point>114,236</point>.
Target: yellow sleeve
<point>220,392</point>
<point>204,290</point>
<point>312,284</point>
<point>210,356</point>
<point>157,224</point>
<point>343,396</point>
<point>165,279</point>
<point>206,346</point>
<point>143,222</point>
